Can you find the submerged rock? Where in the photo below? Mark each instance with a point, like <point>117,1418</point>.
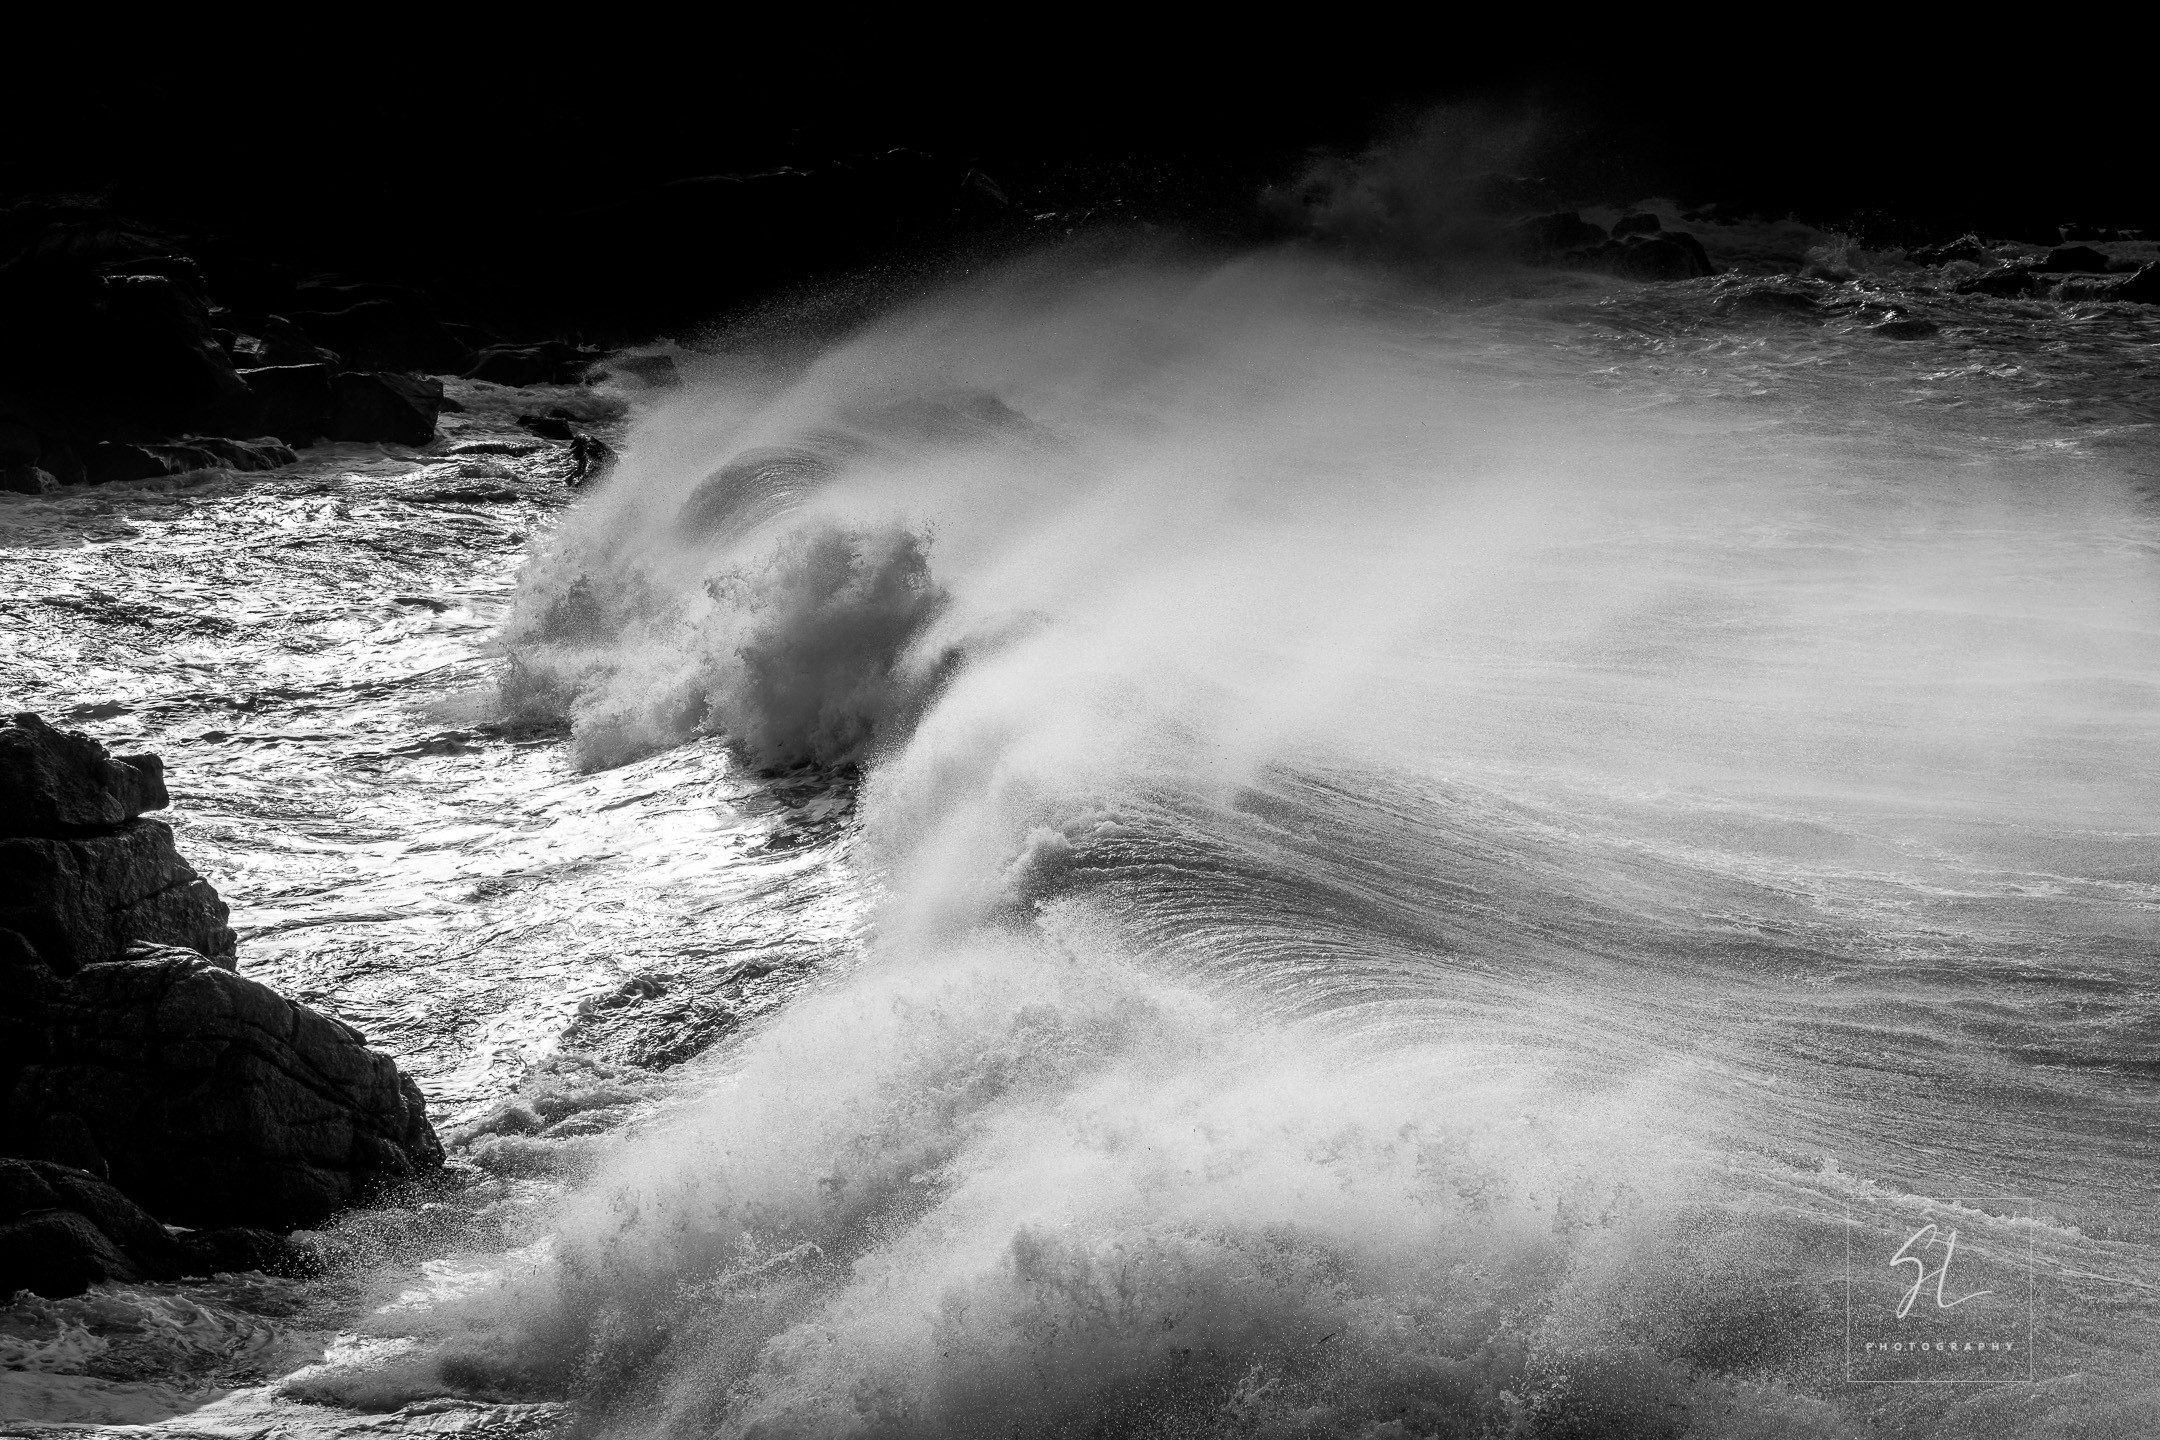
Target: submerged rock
<point>216,1101</point>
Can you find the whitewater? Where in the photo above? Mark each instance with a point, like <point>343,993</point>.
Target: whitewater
<point>1164,843</point>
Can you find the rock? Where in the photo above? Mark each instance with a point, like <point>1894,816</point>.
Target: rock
<point>1640,223</point>
<point>2003,282</point>
<point>63,783</point>
<point>1965,247</point>
<point>590,459</point>
<point>520,365</point>
<point>58,1253</point>
<point>1765,298</point>
<point>292,402</point>
<point>386,334</point>
<point>242,1248</point>
<point>82,901</point>
<point>111,463</point>
<point>2079,258</point>
<point>2142,287</point>
<point>1669,255</point>
<point>216,1101</point>
<point>281,343</point>
<point>1543,235</point>
<point>384,406</point>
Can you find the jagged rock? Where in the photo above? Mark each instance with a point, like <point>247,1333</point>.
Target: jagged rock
<point>383,406</point>
<point>81,901</point>
<point>1641,223</point>
<point>2082,259</point>
<point>216,1101</point>
<point>62,782</point>
<point>519,365</point>
<point>292,402</point>
<point>1667,255</point>
<point>386,334</point>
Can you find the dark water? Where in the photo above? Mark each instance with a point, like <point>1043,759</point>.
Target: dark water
<point>1303,855</point>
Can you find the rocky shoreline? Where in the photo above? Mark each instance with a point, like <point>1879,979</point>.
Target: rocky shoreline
<point>147,1085</point>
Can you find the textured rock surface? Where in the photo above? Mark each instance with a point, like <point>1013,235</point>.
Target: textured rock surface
<point>80,901</point>
<point>383,406</point>
<point>216,1101</point>
<point>62,782</point>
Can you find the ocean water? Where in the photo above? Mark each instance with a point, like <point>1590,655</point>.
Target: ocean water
<point>1171,845</point>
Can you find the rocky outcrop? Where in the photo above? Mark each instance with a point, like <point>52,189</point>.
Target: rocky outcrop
<point>548,364</point>
<point>384,406</point>
<point>213,1100</point>
<point>132,1051</point>
<point>386,334</point>
<point>63,1230</point>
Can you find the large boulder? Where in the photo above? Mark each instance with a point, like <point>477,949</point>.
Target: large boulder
<point>386,334</point>
<point>292,402</point>
<point>112,463</point>
<point>1543,235</point>
<point>215,1101</point>
<point>62,782</point>
<point>383,406</point>
<point>83,900</point>
<point>550,363</point>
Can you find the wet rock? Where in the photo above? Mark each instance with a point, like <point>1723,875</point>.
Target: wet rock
<point>380,405</point>
<point>590,459</point>
<point>1544,235</point>
<point>111,463</point>
<point>64,783</point>
<point>386,334</point>
<point>519,365</point>
<point>1668,255</point>
<point>217,1102</point>
<point>2003,282</point>
<point>58,1253</point>
<point>1965,247</point>
<point>81,901</point>
<point>1640,223</point>
<point>555,425</point>
<point>2079,258</point>
<point>2142,287</point>
<point>292,402</point>
<point>1768,297</point>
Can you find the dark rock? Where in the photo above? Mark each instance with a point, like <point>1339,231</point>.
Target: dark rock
<point>1765,298</point>
<point>1640,223</point>
<point>58,1253</point>
<point>520,365</point>
<point>1543,235</point>
<point>63,461</point>
<point>1668,255</point>
<point>2078,258</point>
<point>1965,247</point>
<point>276,341</point>
<point>386,334</point>
<point>63,783</point>
<point>292,402</point>
<point>2142,287</point>
<point>383,406</point>
<point>2072,232</point>
<point>216,1101</point>
<point>28,1186</point>
<point>2003,282</point>
<point>590,459</point>
<point>110,464</point>
<point>241,1248</point>
<point>81,901</point>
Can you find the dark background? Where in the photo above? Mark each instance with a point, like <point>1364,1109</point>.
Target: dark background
<point>557,174</point>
